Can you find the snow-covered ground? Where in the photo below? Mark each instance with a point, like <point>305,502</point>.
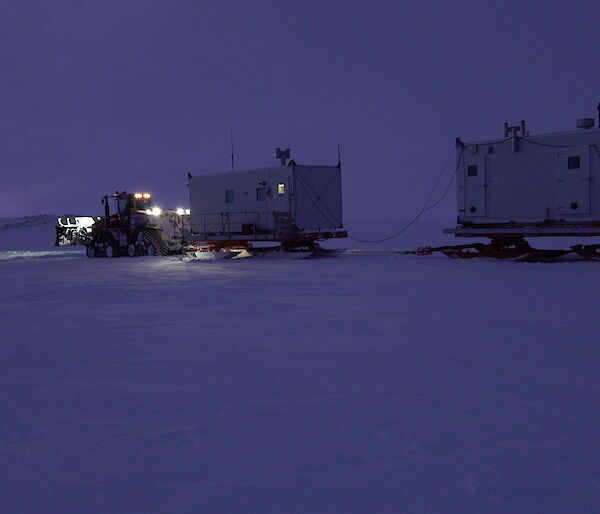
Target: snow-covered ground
<point>360,383</point>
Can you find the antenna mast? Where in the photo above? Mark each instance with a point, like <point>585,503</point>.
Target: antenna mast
<point>232,157</point>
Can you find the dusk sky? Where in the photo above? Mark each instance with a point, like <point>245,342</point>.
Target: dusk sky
<point>131,95</point>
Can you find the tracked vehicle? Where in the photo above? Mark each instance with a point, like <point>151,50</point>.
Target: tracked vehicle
<point>136,228</point>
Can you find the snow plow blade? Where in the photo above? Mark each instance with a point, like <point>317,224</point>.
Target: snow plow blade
<point>73,230</point>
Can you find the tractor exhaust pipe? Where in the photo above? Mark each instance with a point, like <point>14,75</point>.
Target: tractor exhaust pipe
<point>106,211</point>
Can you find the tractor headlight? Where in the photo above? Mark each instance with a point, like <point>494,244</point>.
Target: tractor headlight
<point>180,211</point>
<point>187,211</point>
<point>156,211</point>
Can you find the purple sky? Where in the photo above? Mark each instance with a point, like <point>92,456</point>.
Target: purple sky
<point>98,96</point>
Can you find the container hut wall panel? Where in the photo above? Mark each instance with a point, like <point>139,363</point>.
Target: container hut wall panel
<point>253,199</point>
<point>317,197</point>
<point>534,184</point>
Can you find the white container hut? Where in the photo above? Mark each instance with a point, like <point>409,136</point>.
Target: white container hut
<point>279,203</point>
<point>527,185</point>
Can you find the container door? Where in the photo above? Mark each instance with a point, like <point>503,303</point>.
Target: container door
<point>573,180</point>
<point>475,185</point>
<point>261,200</point>
<point>279,192</point>
<point>279,195</point>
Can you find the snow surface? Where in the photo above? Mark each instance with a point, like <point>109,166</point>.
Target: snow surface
<point>360,383</point>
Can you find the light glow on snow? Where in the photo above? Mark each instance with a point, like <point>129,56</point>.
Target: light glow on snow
<point>27,254</point>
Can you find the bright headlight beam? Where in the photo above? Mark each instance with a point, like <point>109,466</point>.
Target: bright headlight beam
<point>156,211</point>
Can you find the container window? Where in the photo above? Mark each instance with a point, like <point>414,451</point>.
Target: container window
<point>574,163</point>
<point>261,194</point>
<point>229,196</point>
<point>281,189</point>
<point>472,170</point>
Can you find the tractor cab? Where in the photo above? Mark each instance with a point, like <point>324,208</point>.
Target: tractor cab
<point>128,203</point>
<point>128,208</point>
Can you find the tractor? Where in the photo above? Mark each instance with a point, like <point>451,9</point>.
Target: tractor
<point>136,228</point>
